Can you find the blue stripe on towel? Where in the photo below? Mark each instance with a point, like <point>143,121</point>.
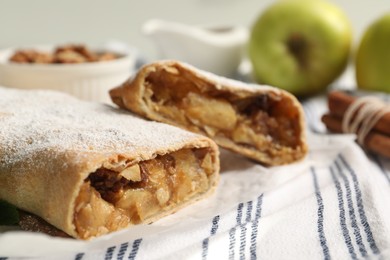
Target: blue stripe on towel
<point>135,249</point>
<point>243,230</point>
<point>255,226</point>
<point>205,243</point>
<point>214,228</point>
<point>205,248</point>
<point>122,251</point>
<point>343,224</point>
<point>320,214</point>
<point>232,231</point>
<point>362,213</point>
<point>351,210</point>
<point>109,253</point>
<point>79,256</point>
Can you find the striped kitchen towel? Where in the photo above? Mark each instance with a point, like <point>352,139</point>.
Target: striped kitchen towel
<point>332,205</point>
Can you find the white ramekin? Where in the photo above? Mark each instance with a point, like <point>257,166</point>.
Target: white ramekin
<point>89,81</point>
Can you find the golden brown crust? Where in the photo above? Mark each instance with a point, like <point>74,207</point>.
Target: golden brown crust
<point>50,143</point>
<point>132,95</point>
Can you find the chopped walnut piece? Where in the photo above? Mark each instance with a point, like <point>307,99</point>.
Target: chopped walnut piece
<point>71,53</point>
<point>31,56</point>
<point>69,56</point>
<point>106,56</point>
<point>82,50</point>
<point>132,173</point>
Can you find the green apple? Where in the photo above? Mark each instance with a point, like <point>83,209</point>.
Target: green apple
<point>372,62</point>
<point>300,45</point>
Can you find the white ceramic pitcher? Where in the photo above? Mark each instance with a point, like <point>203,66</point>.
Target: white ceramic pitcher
<point>215,49</point>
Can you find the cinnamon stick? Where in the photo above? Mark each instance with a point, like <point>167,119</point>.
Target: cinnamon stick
<point>375,141</point>
<point>338,103</point>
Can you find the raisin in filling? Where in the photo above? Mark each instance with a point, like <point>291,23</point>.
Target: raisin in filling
<point>110,200</point>
<point>260,122</point>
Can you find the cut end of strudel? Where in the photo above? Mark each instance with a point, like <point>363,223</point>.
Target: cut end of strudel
<point>260,122</point>
<point>90,169</point>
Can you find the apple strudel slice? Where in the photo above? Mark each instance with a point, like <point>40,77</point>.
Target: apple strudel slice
<point>260,122</point>
<point>90,169</point>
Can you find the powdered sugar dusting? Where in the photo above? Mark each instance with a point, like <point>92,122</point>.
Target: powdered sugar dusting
<point>34,120</point>
<point>221,82</point>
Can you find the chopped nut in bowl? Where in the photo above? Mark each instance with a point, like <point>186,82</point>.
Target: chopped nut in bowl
<point>76,69</point>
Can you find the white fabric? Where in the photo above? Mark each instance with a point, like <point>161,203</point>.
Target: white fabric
<point>332,205</point>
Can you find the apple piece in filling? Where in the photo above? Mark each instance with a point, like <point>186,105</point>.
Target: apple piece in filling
<point>110,200</point>
<point>203,109</point>
<point>261,122</point>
